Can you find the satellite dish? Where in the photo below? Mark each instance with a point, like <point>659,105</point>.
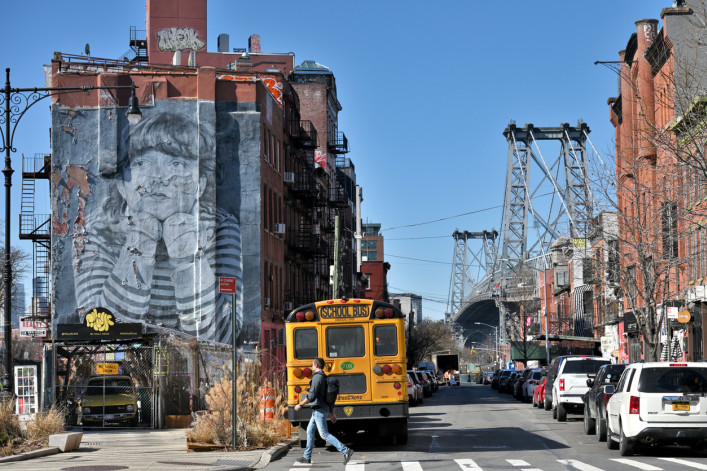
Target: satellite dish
<point>87,49</point>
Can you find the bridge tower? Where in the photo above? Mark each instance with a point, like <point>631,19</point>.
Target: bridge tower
<point>485,258</point>
<point>564,179</point>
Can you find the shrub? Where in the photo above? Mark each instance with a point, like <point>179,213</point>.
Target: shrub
<point>14,438</point>
<point>215,426</point>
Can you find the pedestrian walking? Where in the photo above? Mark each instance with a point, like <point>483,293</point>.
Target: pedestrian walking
<point>316,398</point>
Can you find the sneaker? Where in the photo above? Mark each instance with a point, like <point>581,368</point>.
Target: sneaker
<point>348,455</point>
<point>304,460</point>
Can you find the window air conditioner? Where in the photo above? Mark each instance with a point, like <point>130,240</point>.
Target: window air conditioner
<point>289,177</point>
<point>287,305</point>
<point>279,228</point>
<point>267,302</point>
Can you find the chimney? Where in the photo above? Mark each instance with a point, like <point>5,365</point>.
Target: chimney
<point>244,64</point>
<point>223,43</point>
<point>254,43</point>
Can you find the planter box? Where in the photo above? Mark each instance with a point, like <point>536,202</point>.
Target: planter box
<point>177,421</point>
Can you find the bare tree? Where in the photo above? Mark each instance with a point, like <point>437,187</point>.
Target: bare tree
<point>426,338</point>
<point>20,261</point>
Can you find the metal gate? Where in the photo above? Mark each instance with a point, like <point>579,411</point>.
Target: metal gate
<point>105,385</point>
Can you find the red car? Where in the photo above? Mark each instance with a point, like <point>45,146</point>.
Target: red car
<point>539,393</point>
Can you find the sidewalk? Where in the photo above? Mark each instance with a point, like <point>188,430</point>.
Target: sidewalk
<point>153,450</point>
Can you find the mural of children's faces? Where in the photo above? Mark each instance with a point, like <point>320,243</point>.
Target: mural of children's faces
<point>161,185</point>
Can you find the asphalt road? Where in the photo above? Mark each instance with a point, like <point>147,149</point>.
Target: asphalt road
<point>472,427</point>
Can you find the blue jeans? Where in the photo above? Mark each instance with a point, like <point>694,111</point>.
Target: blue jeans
<point>318,421</point>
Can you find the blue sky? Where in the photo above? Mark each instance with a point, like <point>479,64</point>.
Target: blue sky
<point>426,88</point>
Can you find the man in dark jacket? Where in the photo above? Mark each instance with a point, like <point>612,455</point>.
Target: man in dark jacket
<point>316,398</point>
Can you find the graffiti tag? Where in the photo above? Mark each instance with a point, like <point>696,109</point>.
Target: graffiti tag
<point>178,39</point>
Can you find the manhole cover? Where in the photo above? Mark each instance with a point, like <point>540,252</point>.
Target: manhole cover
<point>185,463</point>
<point>94,468</point>
<point>231,463</point>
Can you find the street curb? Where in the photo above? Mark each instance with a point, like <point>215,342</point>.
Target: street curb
<point>273,453</point>
<point>31,454</point>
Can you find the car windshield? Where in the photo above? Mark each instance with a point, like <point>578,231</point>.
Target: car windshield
<point>684,380</point>
<point>505,373</point>
<point>583,366</point>
<point>112,386</point>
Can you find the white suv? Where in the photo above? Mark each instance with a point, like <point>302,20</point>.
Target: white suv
<point>571,384</point>
<point>658,404</point>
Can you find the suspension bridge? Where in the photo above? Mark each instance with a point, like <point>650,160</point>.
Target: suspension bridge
<point>547,196</point>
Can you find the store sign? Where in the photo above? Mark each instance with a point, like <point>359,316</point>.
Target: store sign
<point>32,328</point>
<point>99,324</point>
<point>684,316</point>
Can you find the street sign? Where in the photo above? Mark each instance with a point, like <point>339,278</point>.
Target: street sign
<point>107,368</point>
<point>31,328</point>
<point>672,313</point>
<point>227,284</point>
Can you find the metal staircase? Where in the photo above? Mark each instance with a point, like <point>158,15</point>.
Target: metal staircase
<point>36,227</point>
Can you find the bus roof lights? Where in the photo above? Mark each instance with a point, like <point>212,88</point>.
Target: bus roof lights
<point>300,316</point>
<point>389,313</point>
<point>380,312</point>
<point>297,372</point>
<point>377,369</point>
<point>307,372</point>
<point>397,369</point>
<point>387,369</point>
<point>357,300</point>
<point>309,316</point>
<point>344,300</point>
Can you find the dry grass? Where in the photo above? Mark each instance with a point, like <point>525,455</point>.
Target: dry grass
<point>16,438</point>
<point>253,432</point>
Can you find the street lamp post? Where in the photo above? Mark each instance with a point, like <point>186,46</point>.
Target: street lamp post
<point>495,328</point>
<point>17,101</point>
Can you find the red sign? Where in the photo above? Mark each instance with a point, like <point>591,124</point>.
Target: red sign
<point>227,284</point>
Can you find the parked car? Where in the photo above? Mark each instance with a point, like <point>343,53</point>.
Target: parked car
<point>109,398</point>
<point>539,393</point>
<point>552,372</point>
<point>487,376</point>
<point>414,392</point>
<point>595,399</point>
<point>431,378</point>
<point>422,381</point>
<point>658,403</point>
<point>503,379</point>
<point>518,383</point>
<point>531,382</point>
<point>570,385</point>
<point>508,386</point>
<point>495,378</point>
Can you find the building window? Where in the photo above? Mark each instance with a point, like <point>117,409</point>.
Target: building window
<point>367,282</point>
<point>369,256</point>
<point>613,268</point>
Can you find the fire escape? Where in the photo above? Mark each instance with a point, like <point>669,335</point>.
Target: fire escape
<point>307,243</point>
<point>36,227</point>
<point>138,46</point>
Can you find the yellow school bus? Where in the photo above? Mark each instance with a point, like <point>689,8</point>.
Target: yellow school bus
<point>362,343</point>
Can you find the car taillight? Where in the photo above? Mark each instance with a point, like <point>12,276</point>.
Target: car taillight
<point>634,405</point>
<point>606,400</point>
<point>409,384</point>
<point>533,381</point>
<point>678,364</point>
<point>562,384</point>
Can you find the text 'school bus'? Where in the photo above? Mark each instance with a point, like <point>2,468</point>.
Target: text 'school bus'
<point>362,343</point>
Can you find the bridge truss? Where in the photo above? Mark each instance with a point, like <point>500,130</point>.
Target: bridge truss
<point>547,195</point>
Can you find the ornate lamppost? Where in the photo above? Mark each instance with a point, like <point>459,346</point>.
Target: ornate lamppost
<point>17,101</point>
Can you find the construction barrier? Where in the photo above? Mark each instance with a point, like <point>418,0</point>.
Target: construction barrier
<point>267,403</point>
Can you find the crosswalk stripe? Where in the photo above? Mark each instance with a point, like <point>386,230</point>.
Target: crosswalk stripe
<point>685,462</point>
<point>411,465</point>
<point>579,465</point>
<point>518,463</point>
<point>467,464</point>
<point>637,464</point>
<point>355,465</point>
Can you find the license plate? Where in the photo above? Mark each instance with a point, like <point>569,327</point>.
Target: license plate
<point>110,416</point>
<point>681,406</point>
